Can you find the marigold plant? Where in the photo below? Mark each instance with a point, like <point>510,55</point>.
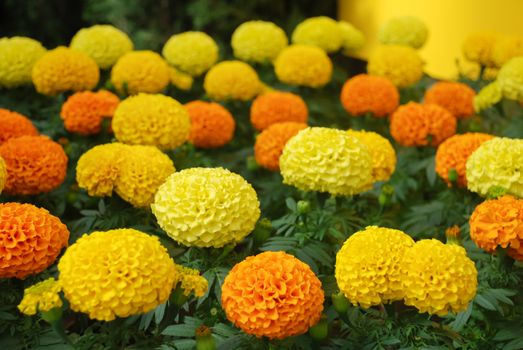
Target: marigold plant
<point>180,80</point>
<point>506,48</point>
<point>488,96</point>
<point>510,79</point>
<point>212,125</point>
<point>276,107</point>
<point>258,41</point>
<point>321,31</point>
<point>400,64</point>
<point>353,38</point>
<point>19,54</point>
<point>407,31</point>
<point>42,297</point>
<point>455,97</point>
<point>479,47</point>
<point>13,124</point>
<point>232,80</point>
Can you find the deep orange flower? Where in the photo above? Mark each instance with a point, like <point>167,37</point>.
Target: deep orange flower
<point>457,98</point>
<point>35,164</point>
<point>212,125</point>
<point>365,93</point>
<point>454,152</point>
<point>13,124</point>
<point>270,143</point>
<point>276,107</point>
<point>415,124</point>
<point>30,239</point>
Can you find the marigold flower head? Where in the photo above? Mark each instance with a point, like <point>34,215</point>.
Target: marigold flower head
<point>326,160</point>
<point>83,112</point>
<point>272,294</point>
<point>368,266</point>
<point>35,164</point>
<point>510,79</point>
<point>105,44</point>
<point>140,71</point>
<point>206,207</point>
<point>507,48</point>
<point>191,281</point>
<point>30,239</point>
<point>13,124</point>
<point>400,64</point>
<point>479,48</point>
<point>64,69</point>
<point>453,153</point>
<point>42,297</point>
<point>364,94</point>
<point>303,65</point>
<point>116,273</point>
<point>320,31</point>
<point>270,143</point>
<point>3,174</point>
<point>156,120</point>
<point>276,107</point>
<point>353,38</point>
<point>191,52</point>
<point>180,80</point>
<point>19,54</point>
<point>407,31</point>
<point>457,98</point>
<point>232,80</point>
<point>488,96</point>
<point>212,125</point>
<point>415,124</point>
<point>438,278</point>
<point>258,41</point>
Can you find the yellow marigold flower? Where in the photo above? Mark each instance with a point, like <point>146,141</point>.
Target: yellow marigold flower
<point>42,297</point>
<point>510,79</point>
<point>407,31</point>
<point>438,278</point>
<point>64,69</point>
<point>155,120</point>
<point>191,281</point>
<point>272,294</point>
<point>487,97</point>
<point>103,43</point>
<point>381,151</point>
<point>507,48</point>
<point>191,52</point>
<point>321,31</point>
<point>303,65</point>
<point>258,41</point>
<point>326,160</point>
<point>206,207</point>
<point>3,174</point>
<point>479,47</point>
<point>19,54</point>
<point>180,79</point>
<point>368,266</point>
<point>140,71</point>
<point>496,162</point>
<point>234,80</point>
<point>400,64</point>
<point>353,38</point>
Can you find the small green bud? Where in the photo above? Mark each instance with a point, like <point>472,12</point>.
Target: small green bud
<point>213,311</point>
<point>303,207</point>
<point>320,331</point>
<point>340,303</point>
<point>453,175</point>
<point>262,230</point>
<point>204,339</point>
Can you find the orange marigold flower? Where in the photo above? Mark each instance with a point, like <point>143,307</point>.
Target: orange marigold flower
<point>457,98</point>
<point>453,153</point>
<point>270,143</point>
<point>415,124</point>
<point>276,107</point>
<point>83,112</point>
<point>30,239</point>
<point>212,125</point>
<point>272,294</point>
<point>35,164</point>
<point>369,94</point>
<point>13,124</point>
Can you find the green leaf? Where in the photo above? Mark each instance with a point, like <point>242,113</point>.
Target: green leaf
<point>181,330</point>
<point>462,318</point>
<point>481,301</point>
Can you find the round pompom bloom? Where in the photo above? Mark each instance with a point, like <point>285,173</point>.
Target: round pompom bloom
<point>457,98</point>
<point>258,41</point>
<point>415,124</point>
<point>272,295</point>
<point>3,174</point>
<point>507,48</point>
<point>488,96</point>
<point>321,31</point>
<point>400,64</point>
<point>117,273</point>
<point>155,120</point>
<point>140,71</point>
<point>303,65</point>
<point>270,143</point>
<point>35,164</point>
<point>13,124</point>
<point>510,79</point>
<point>19,54</point>
<point>453,153</point>
<point>180,80</point>
<point>479,48</point>
<point>212,125</point>
<point>83,112</point>
<point>381,151</point>
<point>326,160</point>
<point>232,80</point>
<point>368,266</point>
<point>364,94</point>
<point>438,278</point>
<point>42,297</point>
<point>64,69</point>
<point>353,38</point>
<point>206,207</point>
<point>103,43</point>
<point>407,31</point>
<point>496,163</point>
<point>191,52</point>
<point>30,239</point>
<point>277,107</point>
